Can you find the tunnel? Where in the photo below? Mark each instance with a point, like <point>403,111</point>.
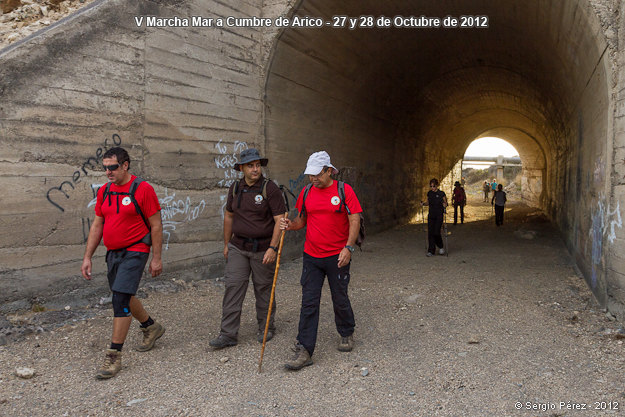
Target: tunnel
<point>398,106</point>
<point>394,106</point>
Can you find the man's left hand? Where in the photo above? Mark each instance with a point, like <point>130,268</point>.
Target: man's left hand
<point>344,257</point>
<point>156,267</point>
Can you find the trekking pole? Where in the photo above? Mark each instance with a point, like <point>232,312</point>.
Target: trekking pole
<point>273,292</point>
<point>446,234</point>
<point>424,229</point>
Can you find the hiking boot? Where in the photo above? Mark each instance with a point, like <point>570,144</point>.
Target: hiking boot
<point>112,364</point>
<point>150,334</point>
<point>261,333</point>
<point>346,344</point>
<point>302,358</point>
<point>222,341</point>
<point>441,251</point>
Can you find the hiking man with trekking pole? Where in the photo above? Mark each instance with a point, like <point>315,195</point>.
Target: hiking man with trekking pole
<point>128,217</point>
<point>330,211</point>
<point>251,238</point>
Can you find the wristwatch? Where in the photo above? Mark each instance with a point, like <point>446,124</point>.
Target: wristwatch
<point>350,248</point>
<point>274,248</point>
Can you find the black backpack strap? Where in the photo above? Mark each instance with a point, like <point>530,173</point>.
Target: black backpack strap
<point>133,189</point>
<point>236,192</point>
<point>306,191</point>
<point>341,188</point>
<point>106,193</point>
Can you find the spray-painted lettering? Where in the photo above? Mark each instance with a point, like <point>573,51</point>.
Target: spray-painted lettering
<point>92,162</point>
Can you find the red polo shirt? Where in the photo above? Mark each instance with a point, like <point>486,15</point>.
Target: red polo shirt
<point>326,230</point>
<point>122,224</point>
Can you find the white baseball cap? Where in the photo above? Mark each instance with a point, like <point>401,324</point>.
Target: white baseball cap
<point>317,161</point>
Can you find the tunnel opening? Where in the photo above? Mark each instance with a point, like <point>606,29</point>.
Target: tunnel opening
<point>399,106</point>
<point>520,172</point>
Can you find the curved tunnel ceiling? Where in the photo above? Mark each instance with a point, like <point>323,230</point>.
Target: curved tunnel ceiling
<point>438,88</point>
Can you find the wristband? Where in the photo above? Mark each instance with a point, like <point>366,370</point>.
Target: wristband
<point>350,248</point>
<point>274,248</point>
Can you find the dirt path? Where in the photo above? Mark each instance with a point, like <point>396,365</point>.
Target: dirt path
<point>502,320</point>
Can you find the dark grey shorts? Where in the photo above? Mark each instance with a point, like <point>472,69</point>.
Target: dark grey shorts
<point>125,269</point>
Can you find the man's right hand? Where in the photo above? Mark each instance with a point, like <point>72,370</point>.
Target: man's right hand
<point>285,223</point>
<point>226,252</point>
<point>86,268</point>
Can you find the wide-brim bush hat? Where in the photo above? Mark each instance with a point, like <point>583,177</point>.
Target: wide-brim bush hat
<point>249,155</point>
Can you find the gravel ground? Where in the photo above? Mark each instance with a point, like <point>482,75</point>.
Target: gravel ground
<point>504,319</point>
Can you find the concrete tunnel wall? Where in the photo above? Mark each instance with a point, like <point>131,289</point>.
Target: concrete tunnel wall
<point>393,107</point>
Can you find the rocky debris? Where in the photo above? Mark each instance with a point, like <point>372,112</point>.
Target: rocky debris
<point>224,359</point>
<point>20,18</point>
<point>525,234</point>
<point>25,373</point>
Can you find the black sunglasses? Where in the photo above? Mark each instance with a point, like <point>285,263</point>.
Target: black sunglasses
<point>112,167</point>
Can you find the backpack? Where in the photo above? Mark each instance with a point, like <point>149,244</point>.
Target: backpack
<point>459,195</point>
<point>237,184</point>
<point>147,239</point>
<point>341,188</point>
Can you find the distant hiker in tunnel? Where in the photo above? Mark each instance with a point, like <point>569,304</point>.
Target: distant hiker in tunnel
<point>133,225</point>
<point>458,199</point>
<point>486,189</point>
<point>330,211</point>
<point>499,198</point>
<point>251,237</point>
<point>437,202</point>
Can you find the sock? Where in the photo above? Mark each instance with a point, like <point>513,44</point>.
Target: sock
<point>117,346</point>
<point>147,323</point>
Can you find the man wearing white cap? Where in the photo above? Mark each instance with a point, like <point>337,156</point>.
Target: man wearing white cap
<point>332,227</point>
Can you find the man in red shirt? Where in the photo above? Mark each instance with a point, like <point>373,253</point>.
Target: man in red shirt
<point>128,216</point>
<point>330,237</point>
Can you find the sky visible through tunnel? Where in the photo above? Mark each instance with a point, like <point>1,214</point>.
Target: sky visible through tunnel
<point>489,146</point>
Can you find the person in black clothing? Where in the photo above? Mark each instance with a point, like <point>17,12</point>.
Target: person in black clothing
<point>499,199</point>
<point>437,202</point>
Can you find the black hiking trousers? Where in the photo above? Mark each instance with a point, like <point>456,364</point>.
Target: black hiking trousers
<point>435,222</point>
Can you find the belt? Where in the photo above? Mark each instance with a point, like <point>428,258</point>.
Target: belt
<point>261,243</point>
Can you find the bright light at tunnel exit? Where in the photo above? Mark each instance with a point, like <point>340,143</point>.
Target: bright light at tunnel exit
<point>489,146</point>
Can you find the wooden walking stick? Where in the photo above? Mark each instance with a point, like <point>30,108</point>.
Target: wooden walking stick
<point>273,292</point>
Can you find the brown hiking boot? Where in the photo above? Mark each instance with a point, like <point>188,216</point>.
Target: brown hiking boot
<point>302,358</point>
<point>112,364</point>
<point>346,344</point>
<point>150,334</point>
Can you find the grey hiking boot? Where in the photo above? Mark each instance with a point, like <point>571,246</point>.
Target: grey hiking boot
<point>112,364</point>
<point>261,334</point>
<point>302,358</point>
<point>346,344</point>
<point>222,341</point>
<point>150,334</point>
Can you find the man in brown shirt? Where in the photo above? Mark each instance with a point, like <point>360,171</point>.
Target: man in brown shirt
<point>251,237</point>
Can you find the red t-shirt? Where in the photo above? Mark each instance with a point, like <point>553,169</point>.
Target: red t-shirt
<point>126,227</point>
<point>326,230</point>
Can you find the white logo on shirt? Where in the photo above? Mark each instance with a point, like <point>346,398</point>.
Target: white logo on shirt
<point>126,201</point>
<point>258,199</point>
<point>335,200</point>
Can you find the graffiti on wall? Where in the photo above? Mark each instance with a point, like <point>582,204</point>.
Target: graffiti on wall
<point>56,193</point>
<point>177,211</point>
<point>225,161</point>
<point>605,220</point>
